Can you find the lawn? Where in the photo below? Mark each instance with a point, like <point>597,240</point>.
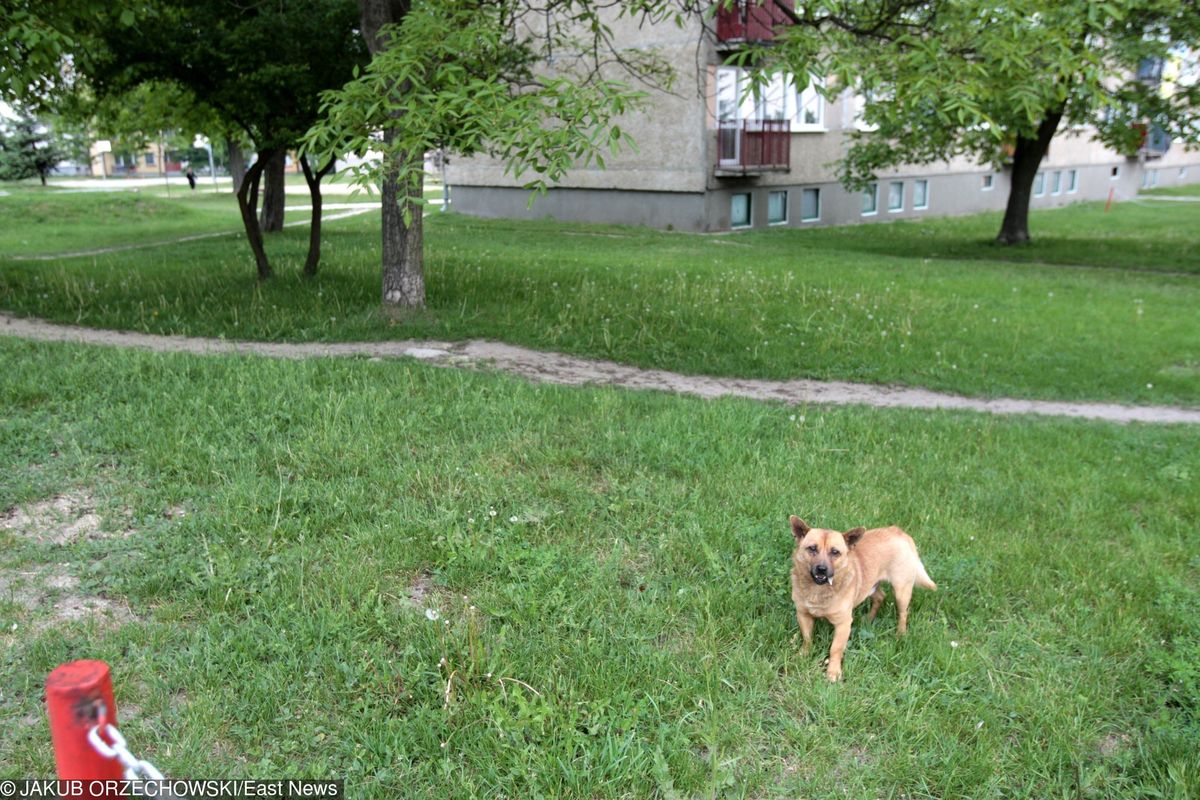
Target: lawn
<point>931,304</point>
<point>36,221</point>
<point>607,577</point>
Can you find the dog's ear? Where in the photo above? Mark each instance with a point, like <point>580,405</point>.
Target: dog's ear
<point>799,527</point>
<point>853,535</point>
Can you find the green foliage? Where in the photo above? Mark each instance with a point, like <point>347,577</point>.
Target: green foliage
<point>970,77</point>
<point>28,148</point>
<point>259,66</point>
<point>483,77</point>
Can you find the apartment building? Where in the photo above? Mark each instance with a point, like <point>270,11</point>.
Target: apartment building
<point>711,157</point>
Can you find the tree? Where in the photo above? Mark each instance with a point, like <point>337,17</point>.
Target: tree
<point>473,77</point>
<point>993,81</point>
<point>260,66</point>
<point>28,148</point>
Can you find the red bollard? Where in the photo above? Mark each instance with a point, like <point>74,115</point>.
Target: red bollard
<point>1108,205</point>
<point>76,696</point>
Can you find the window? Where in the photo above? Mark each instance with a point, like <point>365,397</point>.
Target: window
<point>150,159</point>
<point>1056,182</point>
<point>896,196</point>
<point>739,210</point>
<point>987,184</point>
<point>777,203</point>
<point>921,194</point>
<point>1182,173</point>
<point>1039,184</point>
<point>810,205</point>
<point>870,200</point>
<point>1116,173</point>
<point>1149,178</point>
<point>779,99</point>
<point>1072,181</point>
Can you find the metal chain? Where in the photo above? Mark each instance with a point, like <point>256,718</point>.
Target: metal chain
<point>135,768</point>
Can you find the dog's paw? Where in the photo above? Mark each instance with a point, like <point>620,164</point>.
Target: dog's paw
<point>834,675</point>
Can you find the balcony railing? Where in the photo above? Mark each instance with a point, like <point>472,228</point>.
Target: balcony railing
<point>751,20</point>
<point>753,146</point>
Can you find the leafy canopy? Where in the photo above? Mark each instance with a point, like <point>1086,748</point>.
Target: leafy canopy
<point>540,91</point>
<point>944,78</point>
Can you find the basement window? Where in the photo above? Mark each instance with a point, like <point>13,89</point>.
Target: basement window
<point>777,211</point>
<point>739,210</point>
<point>810,205</point>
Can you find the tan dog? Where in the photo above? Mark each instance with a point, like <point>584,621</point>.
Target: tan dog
<point>833,572</point>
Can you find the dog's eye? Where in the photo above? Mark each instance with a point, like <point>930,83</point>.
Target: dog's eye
<point>812,549</point>
<point>835,552</point>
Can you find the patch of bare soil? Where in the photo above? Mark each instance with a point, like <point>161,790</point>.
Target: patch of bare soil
<point>60,520</point>
<point>50,593</point>
<point>52,597</point>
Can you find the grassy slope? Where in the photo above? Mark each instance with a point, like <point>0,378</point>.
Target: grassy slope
<point>919,304</point>
<point>641,591</point>
<point>36,221</point>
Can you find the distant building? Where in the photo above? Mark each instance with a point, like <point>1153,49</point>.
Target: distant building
<point>710,159</point>
<point>151,160</point>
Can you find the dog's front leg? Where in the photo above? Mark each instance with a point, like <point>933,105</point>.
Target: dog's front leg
<point>806,629</point>
<point>841,635</point>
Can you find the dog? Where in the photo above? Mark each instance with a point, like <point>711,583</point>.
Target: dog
<point>833,572</point>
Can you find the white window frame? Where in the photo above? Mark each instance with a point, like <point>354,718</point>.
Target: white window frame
<point>749,223</point>
<point>1056,182</point>
<point>874,192</point>
<point>817,218</point>
<point>1072,181</point>
<point>1115,173</point>
<point>987,182</point>
<point>900,208</point>
<point>924,182</point>
<point>1182,173</point>
<point>778,100</point>
<point>1039,184</point>
<point>786,207</point>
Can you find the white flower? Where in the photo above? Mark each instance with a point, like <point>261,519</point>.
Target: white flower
<point>513,518</point>
<point>954,644</point>
<point>431,614</point>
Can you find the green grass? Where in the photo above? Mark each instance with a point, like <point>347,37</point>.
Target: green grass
<point>35,221</point>
<point>927,304</point>
<point>1192,190</point>
<point>1133,235</point>
<point>610,570</point>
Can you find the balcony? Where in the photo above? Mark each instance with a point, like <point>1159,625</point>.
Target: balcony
<point>753,147</point>
<point>751,20</point>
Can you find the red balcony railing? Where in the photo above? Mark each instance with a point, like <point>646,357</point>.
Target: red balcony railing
<point>754,146</point>
<point>751,20</point>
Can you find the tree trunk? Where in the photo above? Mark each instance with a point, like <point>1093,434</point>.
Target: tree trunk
<point>271,219</point>
<point>1026,159</point>
<point>314,230</point>
<point>247,201</point>
<point>403,258</point>
<point>237,164</point>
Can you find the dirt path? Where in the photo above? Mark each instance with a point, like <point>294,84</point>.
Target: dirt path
<point>572,371</point>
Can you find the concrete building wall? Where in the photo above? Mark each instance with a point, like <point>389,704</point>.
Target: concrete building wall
<point>671,149</point>
<point>671,180</point>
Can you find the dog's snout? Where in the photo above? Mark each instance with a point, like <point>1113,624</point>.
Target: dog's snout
<point>821,569</point>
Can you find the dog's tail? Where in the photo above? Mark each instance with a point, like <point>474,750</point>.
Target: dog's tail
<point>923,579</point>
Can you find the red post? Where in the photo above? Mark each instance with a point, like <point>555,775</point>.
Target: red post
<point>1108,205</point>
<point>76,696</point>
